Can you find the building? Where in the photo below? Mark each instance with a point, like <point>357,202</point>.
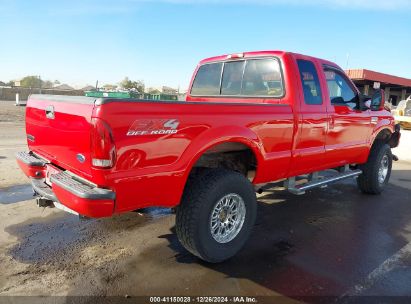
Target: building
<point>63,87</point>
<point>88,88</point>
<point>168,90</point>
<point>396,88</point>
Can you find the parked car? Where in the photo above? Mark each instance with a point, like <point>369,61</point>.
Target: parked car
<point>249,119</point>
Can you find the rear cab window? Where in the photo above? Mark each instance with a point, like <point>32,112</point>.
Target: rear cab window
<point>255,77</point>
<point>262,77</point>
<point>207,81</point>
<point>232,78</point>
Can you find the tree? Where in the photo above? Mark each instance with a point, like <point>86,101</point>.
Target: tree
<point>128,84</point>
<point>31,82</point>
<point>109,87</point>
<point>47,84</point>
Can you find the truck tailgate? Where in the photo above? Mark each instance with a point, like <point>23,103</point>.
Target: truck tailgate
<point>58,128</point>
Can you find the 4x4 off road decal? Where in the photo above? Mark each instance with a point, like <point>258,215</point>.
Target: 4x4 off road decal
<point>153,127</point>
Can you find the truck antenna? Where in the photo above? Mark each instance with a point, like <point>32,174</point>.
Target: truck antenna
<point>348,60</point>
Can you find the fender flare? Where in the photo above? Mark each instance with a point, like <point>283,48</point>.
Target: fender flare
<point>231,135</point>
<point>392,139</point>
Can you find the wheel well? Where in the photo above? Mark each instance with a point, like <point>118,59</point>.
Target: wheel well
<point>231,155</point>
<point>384,136</point>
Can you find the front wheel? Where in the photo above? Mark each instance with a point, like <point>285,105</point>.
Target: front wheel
<point>216,215</point>
<point>376,171</point>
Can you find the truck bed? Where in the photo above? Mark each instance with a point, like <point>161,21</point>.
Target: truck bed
<point>156,142</point>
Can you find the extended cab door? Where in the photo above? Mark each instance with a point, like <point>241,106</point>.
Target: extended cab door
<point>309,147</point>
<point>348,125</point>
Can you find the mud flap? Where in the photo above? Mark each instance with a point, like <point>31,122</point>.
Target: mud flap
<point>395,137</point>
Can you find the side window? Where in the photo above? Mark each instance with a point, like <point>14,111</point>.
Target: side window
<point>310,82</point>
<point>262,77</point>
<point>339,89</point>
<point>207,80</point>
<point>232,77</point>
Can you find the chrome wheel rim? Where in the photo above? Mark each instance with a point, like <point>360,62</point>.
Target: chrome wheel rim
<point>383,169</point>
<point>227,218</point>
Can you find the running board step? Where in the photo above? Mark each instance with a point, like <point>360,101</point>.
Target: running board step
<point>316,181</point>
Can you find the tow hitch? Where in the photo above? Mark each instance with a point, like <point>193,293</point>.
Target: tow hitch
<point>44,202</point>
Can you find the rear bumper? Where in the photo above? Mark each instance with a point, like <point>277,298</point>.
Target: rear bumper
<point>67,189</point>
<point>32,165</point>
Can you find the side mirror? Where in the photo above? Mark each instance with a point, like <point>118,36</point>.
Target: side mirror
<point>338,100</point>
<point>378,100</point>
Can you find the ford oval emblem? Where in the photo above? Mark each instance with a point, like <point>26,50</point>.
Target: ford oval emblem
<point>81,158</point>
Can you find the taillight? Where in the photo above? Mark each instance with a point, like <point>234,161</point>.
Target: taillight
<point>103,152</point>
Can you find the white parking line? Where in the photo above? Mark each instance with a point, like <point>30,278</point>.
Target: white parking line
<point>379,273</point>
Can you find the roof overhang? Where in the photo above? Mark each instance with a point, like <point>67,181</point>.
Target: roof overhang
<point>368,75</point>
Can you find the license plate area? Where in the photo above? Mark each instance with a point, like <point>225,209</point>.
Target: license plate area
<point>50,170</point>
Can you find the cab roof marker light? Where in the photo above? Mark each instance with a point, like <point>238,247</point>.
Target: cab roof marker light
<point>235,56</point>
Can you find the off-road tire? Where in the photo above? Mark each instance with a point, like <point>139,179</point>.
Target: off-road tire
<point>368,181</point>
<point>202,192</point>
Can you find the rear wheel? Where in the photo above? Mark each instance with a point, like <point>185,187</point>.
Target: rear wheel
<point>376,171</point>
<point>216,215</point>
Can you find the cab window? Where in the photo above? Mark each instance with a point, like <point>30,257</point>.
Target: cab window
<point>310,82</point>
<point>262,77</point>
<point>341,92</point>
<point>232,78</point>
<point>248,78</point>
<point>207,80</point>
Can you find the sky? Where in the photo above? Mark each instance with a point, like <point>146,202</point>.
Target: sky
<point>161,41</point>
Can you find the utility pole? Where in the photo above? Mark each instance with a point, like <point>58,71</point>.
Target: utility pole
<point>348,60</point>
<point>39,84</point>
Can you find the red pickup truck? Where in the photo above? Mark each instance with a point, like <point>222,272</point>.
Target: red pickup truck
<point>249,119</point>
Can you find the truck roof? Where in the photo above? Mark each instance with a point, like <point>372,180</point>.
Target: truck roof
<point>243,54</point>
<point>277,53</point>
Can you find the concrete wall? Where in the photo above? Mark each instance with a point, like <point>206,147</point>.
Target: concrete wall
<point>10,93</point>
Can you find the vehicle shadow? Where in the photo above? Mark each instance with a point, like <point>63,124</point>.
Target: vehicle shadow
<point>318,245</point>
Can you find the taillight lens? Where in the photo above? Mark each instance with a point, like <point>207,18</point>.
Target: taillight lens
<point>103,152</point>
